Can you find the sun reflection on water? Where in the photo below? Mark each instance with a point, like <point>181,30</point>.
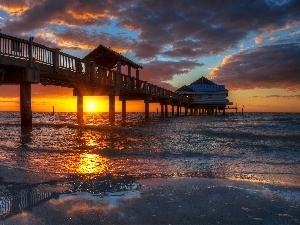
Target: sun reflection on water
<point>91,164</point>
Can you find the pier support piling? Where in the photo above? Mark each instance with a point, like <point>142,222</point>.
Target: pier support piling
<point>146,109</point>
<point>172,109</point>
<point>166,110</point>
<point>112,111</point>
<point>80,109</point>
<point>123,110</point>
<point>25,105</point>
<point>161,109</point>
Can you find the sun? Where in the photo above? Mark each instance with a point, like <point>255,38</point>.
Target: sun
<point>91,106</point>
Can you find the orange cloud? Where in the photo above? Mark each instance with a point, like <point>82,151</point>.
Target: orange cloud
<point>14,6</point>
<point>258,40</point>
<point>86,16</point>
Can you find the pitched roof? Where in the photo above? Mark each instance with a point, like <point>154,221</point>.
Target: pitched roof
<point>185,88</point>
<point>203,80</point>
<point>108,58</point>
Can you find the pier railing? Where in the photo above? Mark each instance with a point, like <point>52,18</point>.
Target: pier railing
<point>18,48</point>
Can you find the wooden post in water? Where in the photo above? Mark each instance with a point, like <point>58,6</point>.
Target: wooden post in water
<point>80,109</point>
<point>172,108</point>
<point>146,109</point>
<point>166,110</point>
<point>178,110</point>
<point>123,110</point>
<point>111,110</point>
<point>162,109</point>
<point>25,105</point>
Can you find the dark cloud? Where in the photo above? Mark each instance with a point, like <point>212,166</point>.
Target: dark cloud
<point>214,25</point>
<point>186,49</point>
<point>274,66</point>
<point>82,39</point>
<point>146,50</point>
<point>157,72</point>
<point>68,12</point>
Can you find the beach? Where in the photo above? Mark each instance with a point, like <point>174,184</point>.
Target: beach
<point>186,170</point>
<point>159,201</point>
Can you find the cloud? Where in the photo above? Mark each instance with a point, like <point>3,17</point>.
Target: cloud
<point>264,67</point>
<point>78,38</point>
<point>212,26</point>
<point>258,40</point>
<point>278,96</point>
<point>67,12</point>
<point>14,7</point>
<point>193,28</point>
<point>156,72</point>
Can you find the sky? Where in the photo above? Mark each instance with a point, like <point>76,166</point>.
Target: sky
<point>250,46</point>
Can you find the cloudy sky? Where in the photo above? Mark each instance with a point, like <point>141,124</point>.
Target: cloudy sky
<point>251,46</point>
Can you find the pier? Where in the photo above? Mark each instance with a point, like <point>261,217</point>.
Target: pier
<point>100,73</point>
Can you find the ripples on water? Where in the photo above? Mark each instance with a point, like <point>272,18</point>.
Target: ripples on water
<point>262,147</point>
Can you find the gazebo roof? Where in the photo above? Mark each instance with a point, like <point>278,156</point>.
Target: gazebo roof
<point>108,58</point>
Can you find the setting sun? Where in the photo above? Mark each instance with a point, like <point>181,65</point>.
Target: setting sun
<point>92,104</point>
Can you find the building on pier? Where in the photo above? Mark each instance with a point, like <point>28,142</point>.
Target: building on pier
<point>206,96</point>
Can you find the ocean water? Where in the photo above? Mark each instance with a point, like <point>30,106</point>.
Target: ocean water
<point>261,147</point>
<point>98,159</point>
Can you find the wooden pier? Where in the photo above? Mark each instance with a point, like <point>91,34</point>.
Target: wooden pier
<point>24,62</point>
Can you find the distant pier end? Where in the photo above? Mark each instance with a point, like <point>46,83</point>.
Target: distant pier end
<point>205,97</point>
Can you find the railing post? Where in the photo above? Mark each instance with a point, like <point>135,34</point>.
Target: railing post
<point>137,76</point>
<point>30,55</point>
<point>145,86</point>
<point>56,60</point>
<point>78,65</point>
<point>133,82</point>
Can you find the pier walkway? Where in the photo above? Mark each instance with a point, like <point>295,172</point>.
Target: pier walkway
<point>24,62</point>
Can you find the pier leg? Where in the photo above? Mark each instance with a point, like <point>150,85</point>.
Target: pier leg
<point>172,109</point>
<point>161,109</point>
<point>112,111</point>
<point>80,109</point>
<point>166,110</point>
<point>178,110</point>
<point>25,105</point>
<point>123,110</point>
<point>146,109</point>
<point>186,111</point>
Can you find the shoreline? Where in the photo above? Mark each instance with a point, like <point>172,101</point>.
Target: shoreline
<point>180,200</point>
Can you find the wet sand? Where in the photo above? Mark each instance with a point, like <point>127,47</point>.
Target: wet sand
<point>160,201</point>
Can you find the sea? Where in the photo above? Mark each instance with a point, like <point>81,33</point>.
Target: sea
<point>99,158</point>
